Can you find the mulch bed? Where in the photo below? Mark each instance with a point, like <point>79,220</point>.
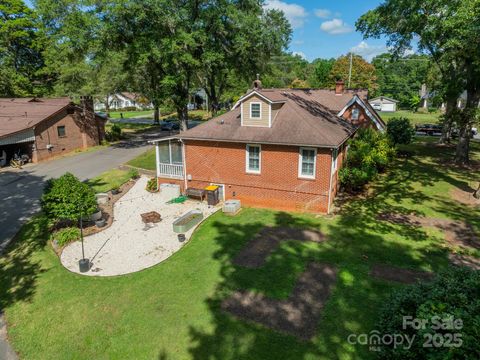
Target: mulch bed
<point>465,260</point>
<point>404,276</point>
<point>456,232</point>
<point>151,217</point>
<point>269,239</point>
<point>299,314</point>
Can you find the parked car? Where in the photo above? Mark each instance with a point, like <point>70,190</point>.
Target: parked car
<point>428,129</point>
<point>170,126</point>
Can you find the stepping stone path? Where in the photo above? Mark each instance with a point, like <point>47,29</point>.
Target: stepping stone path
<point>268,239</point>
<point>405,276</point>
<point>299,314</point>
<point>456,232</point>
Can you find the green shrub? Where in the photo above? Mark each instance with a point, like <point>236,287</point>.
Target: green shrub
<point>64,198</point>
<point>400,130</point>
<point>114,134</point>
<point>133,174</point>
<point>453,294</point>
<point>152,184</point>
<point>66,235</point>
<point>369,153</point>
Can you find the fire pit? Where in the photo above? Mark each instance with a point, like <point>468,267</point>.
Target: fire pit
<point>151,217</point>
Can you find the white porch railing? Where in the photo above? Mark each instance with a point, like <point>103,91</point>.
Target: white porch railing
<point>170,171</point>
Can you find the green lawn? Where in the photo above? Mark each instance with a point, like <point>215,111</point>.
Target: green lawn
<point>171,311</point>
<point>145,160</point>
<point>415,118</point>
<point>148,114</point>
<point>109,180</point>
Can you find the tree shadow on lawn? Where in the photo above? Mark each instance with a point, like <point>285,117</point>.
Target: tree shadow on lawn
<point>357,240</point>
<point>354,245</point>
<point>18,268</point>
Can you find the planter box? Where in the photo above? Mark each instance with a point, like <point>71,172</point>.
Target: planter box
<point>187,221</point>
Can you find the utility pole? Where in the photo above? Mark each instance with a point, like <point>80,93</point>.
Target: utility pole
<point>350,70</point>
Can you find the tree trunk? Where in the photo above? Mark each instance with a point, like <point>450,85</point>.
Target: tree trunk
<point>463,146</point>
<point>451,104</point>
<point>182,113</point>
<point>107,105</point>
<point>156,114</point>
<point>476,193</point>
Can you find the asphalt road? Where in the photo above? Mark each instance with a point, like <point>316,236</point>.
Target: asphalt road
<point>20,189</point>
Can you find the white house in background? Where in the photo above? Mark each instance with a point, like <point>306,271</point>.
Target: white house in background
<point>383,103</point>
<point>123,100</point>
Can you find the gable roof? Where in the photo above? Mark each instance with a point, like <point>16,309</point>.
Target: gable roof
<point>17,114</point>
<point>302,120</point>
<point>369,110</point>
<point>381,98</point>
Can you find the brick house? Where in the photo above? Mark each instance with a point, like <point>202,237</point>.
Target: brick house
<point>276,148</point>
<point>46,128</point>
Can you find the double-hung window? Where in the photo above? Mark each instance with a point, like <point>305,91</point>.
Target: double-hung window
<point>255,110</point>
<point>355,113</point>
<point>253,159</point>
<point>334,159</point>
<point>307,163</point>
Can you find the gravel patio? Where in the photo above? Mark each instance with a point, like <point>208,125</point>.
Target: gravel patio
<point>129,245</point>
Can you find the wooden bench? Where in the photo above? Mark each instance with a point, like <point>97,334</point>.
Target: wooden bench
<point>196,193</point>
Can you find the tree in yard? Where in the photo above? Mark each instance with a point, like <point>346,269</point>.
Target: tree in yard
<point>363,73</point>
<point>448,31</point>
<point>21,60</point>
<point>321,72</point>
<point>400,130</point>
<point>401,78</point>
<point>67,197</point>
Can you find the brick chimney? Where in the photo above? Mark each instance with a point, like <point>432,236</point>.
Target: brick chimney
<point>339,87</point>
<point>86,102</point>
<point>257,84</point>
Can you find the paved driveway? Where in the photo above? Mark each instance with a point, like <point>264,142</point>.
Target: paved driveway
<point>20,190</point>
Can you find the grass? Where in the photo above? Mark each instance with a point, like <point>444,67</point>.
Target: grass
<point>148,114</point>
<point>109,180</point>
<point>171,311</point>
<point>415,118</point>
<point>145,160</point>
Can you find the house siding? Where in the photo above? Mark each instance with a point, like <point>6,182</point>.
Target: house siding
<point>277,186</point>
<point>264,119</point>
<point>78,135</point>
<point>363,120</point>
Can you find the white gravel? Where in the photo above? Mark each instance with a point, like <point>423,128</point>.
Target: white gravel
<point>128,245</point>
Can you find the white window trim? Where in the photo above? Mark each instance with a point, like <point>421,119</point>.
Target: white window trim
<point>260,111</point>
<point>300,159</point>
<point>247,153</point>
<point>334,159</point>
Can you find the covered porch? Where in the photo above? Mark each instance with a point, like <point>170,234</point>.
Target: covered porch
<point>170,158</point>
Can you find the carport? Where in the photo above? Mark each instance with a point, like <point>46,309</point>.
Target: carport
<point>20,143</point>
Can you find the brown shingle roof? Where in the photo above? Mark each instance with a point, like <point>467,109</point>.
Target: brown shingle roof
<point>306,118</point>
<point>17,114</point>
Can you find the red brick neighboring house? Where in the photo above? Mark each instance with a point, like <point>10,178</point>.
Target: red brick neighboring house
<point>276,148</point>
<point>46,128</point>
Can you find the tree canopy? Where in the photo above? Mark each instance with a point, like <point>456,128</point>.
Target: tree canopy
<point>362,76</point>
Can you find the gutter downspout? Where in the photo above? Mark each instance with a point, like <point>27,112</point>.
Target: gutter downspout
<point>330,183</point>
<point>184,164</point>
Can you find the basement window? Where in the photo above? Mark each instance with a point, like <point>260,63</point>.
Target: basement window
<point>61,131</point>
<point>307,163</point>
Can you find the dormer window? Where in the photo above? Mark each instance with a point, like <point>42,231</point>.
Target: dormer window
<point>355,113</point>
<point>255,110</point>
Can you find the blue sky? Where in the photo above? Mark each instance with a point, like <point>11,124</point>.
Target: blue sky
<point>326,28</point>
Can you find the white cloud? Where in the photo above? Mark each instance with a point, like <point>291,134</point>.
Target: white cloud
<point>368,51</point>
<point>323,13</point>
<point>294,13</point>
<point>336,27</point>
<point>298,42</point>
<point>301,54</point>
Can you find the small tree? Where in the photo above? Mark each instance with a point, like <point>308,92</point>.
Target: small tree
<point>453,295</point>
<point>66,197</point>
<point>400,130</point>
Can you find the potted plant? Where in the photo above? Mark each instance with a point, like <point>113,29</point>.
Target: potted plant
<point>152,185</point>
<point>115,190</point>
<point>100,223</point>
